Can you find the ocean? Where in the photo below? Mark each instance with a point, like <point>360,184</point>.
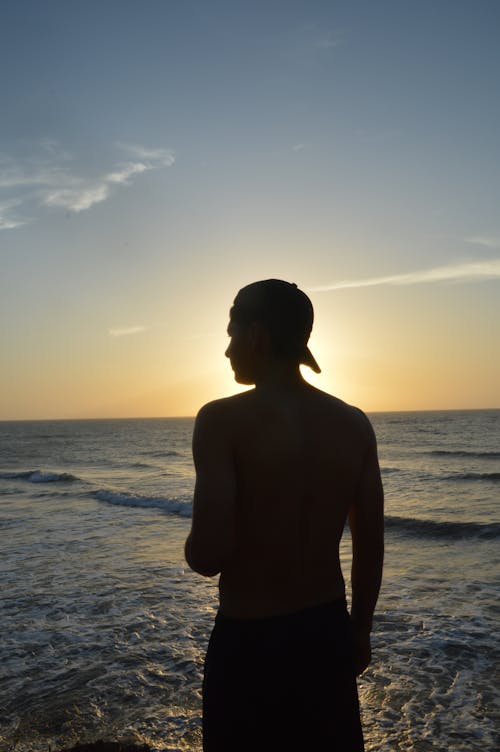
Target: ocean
<point>104,627</point>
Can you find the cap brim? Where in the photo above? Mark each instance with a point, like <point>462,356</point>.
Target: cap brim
<point>308,359</point>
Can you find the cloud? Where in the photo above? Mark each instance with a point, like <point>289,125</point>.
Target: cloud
<point>299,147</point>
<point>7,223</point>
<point>126,330</point>
<point>47,182</point>
<point>462,272</point>
<point>8,218</point>
<point>77,200</point>
<point>163,157</point>
<point>84,195</point>
<point>487,241</point>
<point>328,41</point>
<point>123,174</point>
<point>317,39</point>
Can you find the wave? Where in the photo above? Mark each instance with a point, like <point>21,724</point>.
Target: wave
<point>37,476</point>
<point>473,476</point>
<point>422,528</point>
<point>162,453</point>
<point>181,506</point>
<point>464,453</point>
<point>388,470</point>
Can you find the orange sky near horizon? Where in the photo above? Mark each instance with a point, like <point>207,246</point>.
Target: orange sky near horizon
<point>383,349</point>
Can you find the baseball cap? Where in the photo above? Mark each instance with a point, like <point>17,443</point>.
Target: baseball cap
<point>285,310</point>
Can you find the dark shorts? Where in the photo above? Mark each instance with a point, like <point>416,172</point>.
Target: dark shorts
<point>284,683</point>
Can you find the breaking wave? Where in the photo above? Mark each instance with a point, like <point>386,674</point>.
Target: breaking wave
<point>178,505</point>
<point>449,530</point>
<point>37,476</point>
<point>162,453</point>
<point>464,453</point>
<point>473,476</point>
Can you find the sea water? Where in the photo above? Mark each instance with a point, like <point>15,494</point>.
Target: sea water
<point>104,628</point>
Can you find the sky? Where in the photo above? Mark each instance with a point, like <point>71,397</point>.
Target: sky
<point>156,156</point>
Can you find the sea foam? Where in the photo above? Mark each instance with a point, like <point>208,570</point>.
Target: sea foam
<point>177,505</point>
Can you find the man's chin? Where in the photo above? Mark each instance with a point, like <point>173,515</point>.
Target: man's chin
<point>241,379</point>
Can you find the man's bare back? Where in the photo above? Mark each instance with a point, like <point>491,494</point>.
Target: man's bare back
<point>298,456</point>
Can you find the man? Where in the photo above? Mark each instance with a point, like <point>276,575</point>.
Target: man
<point>279,470</point>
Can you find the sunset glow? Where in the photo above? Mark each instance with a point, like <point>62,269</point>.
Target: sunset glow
<point>156,158</point>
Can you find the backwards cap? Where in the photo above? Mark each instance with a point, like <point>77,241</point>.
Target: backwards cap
<point>285,310</point>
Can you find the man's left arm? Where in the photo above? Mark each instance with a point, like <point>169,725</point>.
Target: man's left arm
<point>211,541</point>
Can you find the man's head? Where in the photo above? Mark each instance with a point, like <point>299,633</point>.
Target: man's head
<point>274,313</point>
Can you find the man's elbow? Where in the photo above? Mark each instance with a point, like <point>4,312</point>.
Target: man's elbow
<point>207,569</point>
<point>199,562</point>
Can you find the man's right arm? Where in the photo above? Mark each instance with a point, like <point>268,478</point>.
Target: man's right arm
<point>212,539</point>
<point>366,521</point>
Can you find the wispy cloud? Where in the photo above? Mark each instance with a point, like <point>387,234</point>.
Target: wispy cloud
<point>9,220</point>
<point>160,157</point>
<point>328,41</point>
<point>461,272</point>
<point>317,38</point>
<point>299,147</point>
<point>48,181</point>
<point>77,199</point>
<point>124,331</point>
<point>123,174</point>
<point>486,241</point>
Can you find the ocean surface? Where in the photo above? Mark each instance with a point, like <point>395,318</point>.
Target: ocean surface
<point>104,628</point>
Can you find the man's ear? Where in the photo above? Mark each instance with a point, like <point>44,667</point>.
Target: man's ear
<point>253,336</point>
<point>259,338</point>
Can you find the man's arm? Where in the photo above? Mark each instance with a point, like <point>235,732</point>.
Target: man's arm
<point>366,521</point>
<point>212,538</point>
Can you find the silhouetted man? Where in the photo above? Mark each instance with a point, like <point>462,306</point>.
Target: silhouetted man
<point>279,469</point>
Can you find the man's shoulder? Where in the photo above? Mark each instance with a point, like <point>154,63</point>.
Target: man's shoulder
<point>227,412</point>
<point>349,415</point>
<point>219,419</point>
<point>350,412</point>
<point>224,407</point>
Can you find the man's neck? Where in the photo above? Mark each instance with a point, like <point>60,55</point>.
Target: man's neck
<point>278,376</point>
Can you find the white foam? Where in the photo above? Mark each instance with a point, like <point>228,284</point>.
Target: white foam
<point>180,505</point>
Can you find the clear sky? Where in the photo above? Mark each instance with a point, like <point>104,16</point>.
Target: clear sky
<point>156,156</point>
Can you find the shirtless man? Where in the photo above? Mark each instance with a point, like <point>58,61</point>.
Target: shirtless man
<point>279,470</point>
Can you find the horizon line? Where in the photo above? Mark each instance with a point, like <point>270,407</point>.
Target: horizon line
<point>192,417</point>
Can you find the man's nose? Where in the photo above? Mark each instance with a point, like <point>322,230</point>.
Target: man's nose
<point>227,351</point>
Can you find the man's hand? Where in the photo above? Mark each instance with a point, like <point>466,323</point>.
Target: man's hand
<point>362,649</point>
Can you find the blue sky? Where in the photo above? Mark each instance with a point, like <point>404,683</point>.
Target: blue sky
<point>156,156</point>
